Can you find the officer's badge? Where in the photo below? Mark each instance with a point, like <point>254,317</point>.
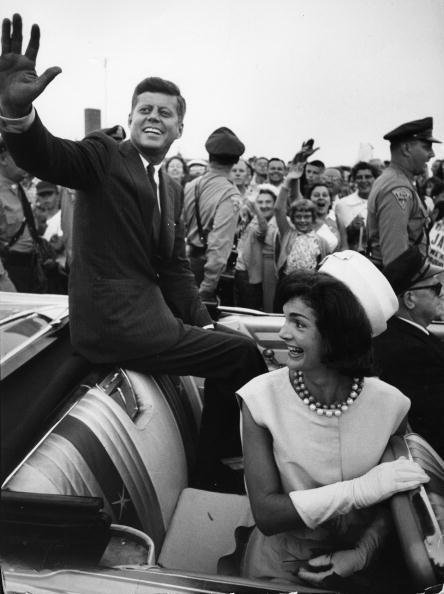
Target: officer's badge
<point>402,195</point>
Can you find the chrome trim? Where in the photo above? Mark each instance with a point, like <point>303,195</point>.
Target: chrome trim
<point>129,530</point>
<point>244,311</point>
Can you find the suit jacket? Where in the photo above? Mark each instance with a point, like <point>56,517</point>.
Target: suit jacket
<point>414,362</point>
<point>128,297</point>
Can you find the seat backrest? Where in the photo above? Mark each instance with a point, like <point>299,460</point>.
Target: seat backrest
<point>138,466</point>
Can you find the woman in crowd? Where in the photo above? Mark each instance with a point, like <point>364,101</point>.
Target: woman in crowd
<point>177,169</point>
<point>313,436</point>
<point>300,246</point>
<point>325,226</point>
<point>255,246</point>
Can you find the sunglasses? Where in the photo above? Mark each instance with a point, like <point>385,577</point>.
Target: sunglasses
<point>436,288</point>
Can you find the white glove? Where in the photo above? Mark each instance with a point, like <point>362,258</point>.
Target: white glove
<point>316,506</point>
<point>386,479</point>
<point>341,563</point>
<point>347,562</point>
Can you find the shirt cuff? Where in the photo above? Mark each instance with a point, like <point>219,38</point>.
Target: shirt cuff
<point>208,327</point>
<point>17,125</point>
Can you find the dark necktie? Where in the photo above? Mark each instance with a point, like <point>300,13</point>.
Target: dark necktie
<point>156,210</point>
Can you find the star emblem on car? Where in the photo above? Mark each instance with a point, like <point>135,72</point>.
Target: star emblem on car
<point>121,501</point>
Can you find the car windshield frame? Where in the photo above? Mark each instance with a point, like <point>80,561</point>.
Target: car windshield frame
<point>18,313</point>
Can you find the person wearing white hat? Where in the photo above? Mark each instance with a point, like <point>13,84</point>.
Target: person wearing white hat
<point>314,432</point>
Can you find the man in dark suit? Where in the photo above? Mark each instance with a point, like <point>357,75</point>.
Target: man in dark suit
<point>133,299</point>
<point>407,354</point>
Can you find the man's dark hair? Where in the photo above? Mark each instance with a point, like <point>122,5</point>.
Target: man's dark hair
<point>276,159</point>
<point>363,165</point>
<point>154,84</point>
<point>340,318</point>
<point>316,163</point>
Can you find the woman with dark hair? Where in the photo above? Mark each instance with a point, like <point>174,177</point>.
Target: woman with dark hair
<point>313,436</point>
<point>177,169</point>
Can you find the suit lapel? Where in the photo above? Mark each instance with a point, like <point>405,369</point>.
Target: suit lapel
<point>438,345</point>
<point>430,340</point>
<point>145,197</point>
<point>167,227</point>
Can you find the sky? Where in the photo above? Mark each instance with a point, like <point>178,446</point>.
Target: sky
<point>276,72</point>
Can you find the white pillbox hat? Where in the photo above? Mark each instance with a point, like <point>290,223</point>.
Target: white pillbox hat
<point>367,283</point>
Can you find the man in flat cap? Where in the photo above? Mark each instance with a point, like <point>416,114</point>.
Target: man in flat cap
<point>132,296</point>
<point>407,354</point>
<point>211,211</point>
<point>396,216</point>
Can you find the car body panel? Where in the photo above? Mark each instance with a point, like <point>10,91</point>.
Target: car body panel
<point>80,417</point>
<point>28,326</point>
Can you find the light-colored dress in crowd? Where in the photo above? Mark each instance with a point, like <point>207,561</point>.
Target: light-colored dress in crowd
<point>301,250</point>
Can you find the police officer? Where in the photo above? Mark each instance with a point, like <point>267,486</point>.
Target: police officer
<point>211,211</point>
<point>397,218</point>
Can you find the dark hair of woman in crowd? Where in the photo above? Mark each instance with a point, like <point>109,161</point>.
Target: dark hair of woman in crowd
<point>439,171</point>
<point>437,194</point>
<point>341,320</point>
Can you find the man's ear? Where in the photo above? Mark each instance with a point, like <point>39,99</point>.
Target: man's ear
<point>130,118</point>
<point>180,129</point>
<point>409,300</point>
<point>405,148</point>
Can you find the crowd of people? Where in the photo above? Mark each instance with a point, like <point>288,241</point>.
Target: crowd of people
<point>350,255</point>
<point>291,216</point>
<point>261,218</point>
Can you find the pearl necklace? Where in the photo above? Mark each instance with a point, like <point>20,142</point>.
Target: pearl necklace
<point>337,408</point>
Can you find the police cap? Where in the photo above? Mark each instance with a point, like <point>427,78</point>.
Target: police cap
<point>43,187</point>
<point>224,142</point>
<point>409,269</point>
<point>416,130</point>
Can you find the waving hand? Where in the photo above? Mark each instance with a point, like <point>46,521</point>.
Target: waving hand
<point>19,83</point>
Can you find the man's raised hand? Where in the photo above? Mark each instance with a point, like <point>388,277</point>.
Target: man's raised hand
<point>19,83</point>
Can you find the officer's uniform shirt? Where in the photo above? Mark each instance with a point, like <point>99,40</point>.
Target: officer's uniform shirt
<point>397,218</point>
<point>12,217</point>
<point>219,203</point>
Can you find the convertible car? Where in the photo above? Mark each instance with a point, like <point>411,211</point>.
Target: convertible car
<point>95,463</point>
